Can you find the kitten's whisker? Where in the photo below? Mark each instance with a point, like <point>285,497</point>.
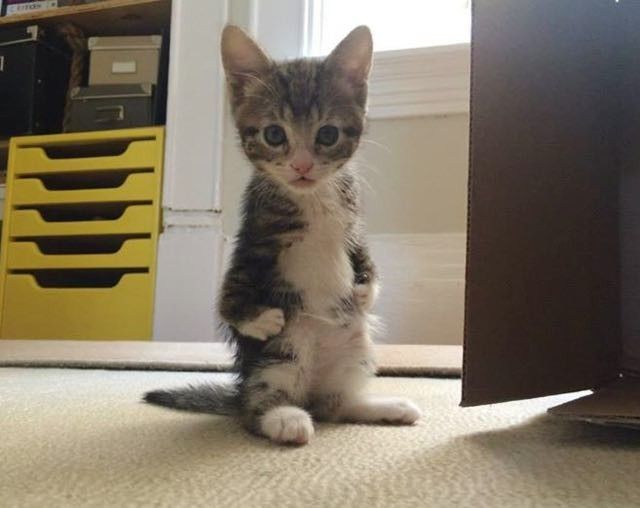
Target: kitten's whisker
<point>361,161</point>
<point>376,143</point>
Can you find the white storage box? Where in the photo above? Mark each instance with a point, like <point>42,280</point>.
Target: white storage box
<point>124,60</point>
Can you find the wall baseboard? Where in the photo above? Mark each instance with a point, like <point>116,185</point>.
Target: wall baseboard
<point>189,267</point>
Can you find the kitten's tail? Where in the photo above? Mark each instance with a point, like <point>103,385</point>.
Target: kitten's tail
<point>206,398</point>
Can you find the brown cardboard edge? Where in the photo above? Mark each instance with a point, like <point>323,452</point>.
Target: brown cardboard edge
<point>616,403</point>
<point>466,342</point>
<point>629,423</point>
<point>393,360</point>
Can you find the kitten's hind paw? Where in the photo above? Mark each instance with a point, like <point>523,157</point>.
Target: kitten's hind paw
<point>268,323</point>
<point>287,425</point>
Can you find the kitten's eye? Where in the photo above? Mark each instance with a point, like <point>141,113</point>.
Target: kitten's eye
<point>274,135</point>
<point>327,135</point>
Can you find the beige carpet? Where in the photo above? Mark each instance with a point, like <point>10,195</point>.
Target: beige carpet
<point>81,438</point>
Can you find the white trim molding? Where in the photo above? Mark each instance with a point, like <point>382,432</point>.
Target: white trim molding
<point>192,219</point>
<point>190,246</point>
<point>187,284</point>
<point>193,146</point>
<point>267,25</point>
<point>420,82</point>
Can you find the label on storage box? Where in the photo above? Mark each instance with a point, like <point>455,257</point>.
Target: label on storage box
<point>128,67</point>
<point>21,8</point>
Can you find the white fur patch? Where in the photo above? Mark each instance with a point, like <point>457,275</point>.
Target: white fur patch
<point>287,425</point>
<point>382,410</point>
<point>329,359</point>
<point>366,295</point>
<point>319,264</point>
<point>267,324</point>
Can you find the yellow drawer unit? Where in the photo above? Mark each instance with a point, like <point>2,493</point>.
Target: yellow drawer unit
<point>80,234</point>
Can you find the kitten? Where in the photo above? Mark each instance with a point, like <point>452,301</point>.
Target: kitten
<point>297,295</point>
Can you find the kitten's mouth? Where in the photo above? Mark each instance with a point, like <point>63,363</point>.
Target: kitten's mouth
<point>303,182</point>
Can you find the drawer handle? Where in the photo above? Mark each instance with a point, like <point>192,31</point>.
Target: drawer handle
<point>79,278</point>
<point>106,114</point>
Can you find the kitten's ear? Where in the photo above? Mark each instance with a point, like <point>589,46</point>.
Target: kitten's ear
<point>352,57</point>
<point>242,58</point>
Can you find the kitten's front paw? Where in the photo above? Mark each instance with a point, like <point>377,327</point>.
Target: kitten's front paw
<point>267,324</point>
<point>287,425</point>
<point>366,295</point>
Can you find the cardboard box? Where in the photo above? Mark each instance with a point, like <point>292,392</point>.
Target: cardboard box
<point>553,269</point>
<point>34,72</point>
<point>124,60</point>
<point>106,107</point>
<point>27,6</point>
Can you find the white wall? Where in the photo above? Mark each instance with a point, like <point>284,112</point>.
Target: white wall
<point>416,171</point>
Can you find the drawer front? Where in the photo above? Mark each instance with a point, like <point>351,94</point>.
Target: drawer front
<point>135,219</point>
<point>34,160</point>
<point>105,114</point>
<point>133,253</point>
<point>123,312</point>
<point>118,187</point>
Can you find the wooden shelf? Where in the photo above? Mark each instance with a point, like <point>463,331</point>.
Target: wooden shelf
<point>4,149</point>
<point>110,17</point>
<point>4,153</point>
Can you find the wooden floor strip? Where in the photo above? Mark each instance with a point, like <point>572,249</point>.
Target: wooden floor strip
<point>398,360</point>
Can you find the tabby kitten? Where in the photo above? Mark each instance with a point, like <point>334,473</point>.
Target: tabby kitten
<point>296,297</point>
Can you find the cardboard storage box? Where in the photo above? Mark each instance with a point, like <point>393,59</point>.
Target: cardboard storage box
<point>34,72</point>
<point>553,273</point>
<point>124,60</point>
<point>106,107</point>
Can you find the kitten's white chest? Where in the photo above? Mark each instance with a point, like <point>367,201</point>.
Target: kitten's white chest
<point>318,266</point>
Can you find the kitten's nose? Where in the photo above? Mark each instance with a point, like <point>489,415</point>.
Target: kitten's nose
<point>302,162</point>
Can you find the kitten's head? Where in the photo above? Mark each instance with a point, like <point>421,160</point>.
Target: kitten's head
<point>298,121</point>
